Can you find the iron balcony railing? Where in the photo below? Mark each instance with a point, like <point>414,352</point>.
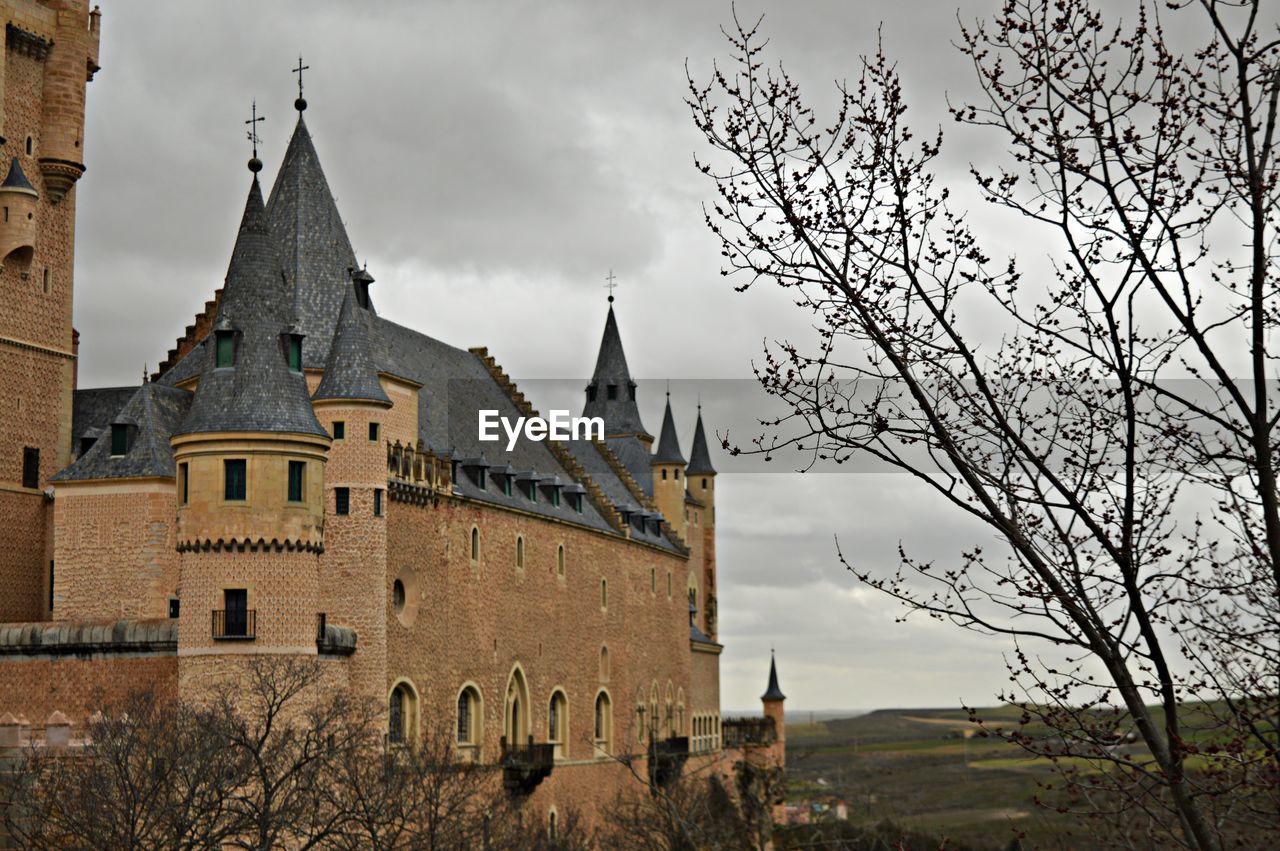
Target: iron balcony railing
<point>742,732</point>
<point>235,624</point>
<point>525,765</point>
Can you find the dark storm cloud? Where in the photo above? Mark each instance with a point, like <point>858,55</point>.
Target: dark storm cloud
<point>493,161</point>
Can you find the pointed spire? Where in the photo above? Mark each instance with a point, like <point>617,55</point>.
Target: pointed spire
<point>258,392</point>
<point>312,241</point>
<point>611,393</point>
<point>668,443</point>
<point>700,455</point>
<point>16,180</point>
<point>773,692</point>
<point>349,372</point>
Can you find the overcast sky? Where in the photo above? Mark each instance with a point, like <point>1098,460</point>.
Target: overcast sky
<point>493,162</point>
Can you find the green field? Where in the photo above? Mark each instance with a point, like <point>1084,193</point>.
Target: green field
<point>917,768</point>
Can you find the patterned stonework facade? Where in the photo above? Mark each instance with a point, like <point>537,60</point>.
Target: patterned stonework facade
<point>303,478</point>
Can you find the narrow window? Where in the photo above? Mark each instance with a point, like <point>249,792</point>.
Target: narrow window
<point>395,716</point>
<point>234,478</point>
<point>175,607</point>
<point>555,497</point>
<point>397,595</point>
<point>475,544</point>
<point>480,478</point>
<point>30,467</point>
<point>533,491</point>
<point>632,392</point>
<point>577,502</point>
<point>664,474</point>
<point>560,560</point>
<point>465,731</point>
<point>553,832</point>
<point>28,146</point>
<point>119,439</point>
<point>557,717</point>
<point>668,585</point>
<point>235,614</point>
<point>506,485</point>
<point>377,502</point>
<point>519,553</point>
<point>183,488</point>
<point>677,473</point>
<point>6,214</point>
<point>612,392</point>
<point>604,593</point>
<point>591,393</point>
<point>339,430</point>
<point>653,580</point>
<point>341,501</point>
<point>295,352</point>
<point>704,484</point>
<point>373,432</point>
<point>50,586</point>
<point>46,279</point>
<point>225,342</point>
<point>297,469</point>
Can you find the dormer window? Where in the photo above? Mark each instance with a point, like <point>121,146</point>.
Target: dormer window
<point>480,478</point>
<point>555,497</point>
<point>225,344</point>
<point>577,502</point>
<point>632,391</point>
<point>293,350</point>
<point>506,485</point>
<point>532,493</point>
<point>591,393</point>
<point>119,439</point>
<point>612,392</point>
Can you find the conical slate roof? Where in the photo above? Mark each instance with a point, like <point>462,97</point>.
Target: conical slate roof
<point>668,443</point>
<point>700,456</point>
<point>260,392</point>
<point>621,415</point>
<point>773,692</point>
<point>313,243</point>
<point>350,371</point>
<point>17,179</point>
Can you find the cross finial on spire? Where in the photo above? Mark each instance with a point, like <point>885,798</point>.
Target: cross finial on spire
<point>612,283</point>
<point>255,164</point>
<point>301,103</point>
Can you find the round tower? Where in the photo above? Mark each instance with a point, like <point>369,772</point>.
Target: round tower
<point>668,466</point>
<point>773,700</point>
<point>250,458</point>
<point>352,405</point>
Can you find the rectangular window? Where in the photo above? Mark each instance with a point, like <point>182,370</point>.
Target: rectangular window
<point>183,488</point>
<point>533,492</point>
<point>236,612</point>
<point>234,479</point>
<point>373,432</point>
<point>174,607</point>
<point>577,502</point>
<point>377,502</point>
<point>297,469</point>
<point>226,349</point>
<point>30,467</point>
<point>119,439</point>
<point>341,501</point>
<point>339,430</point>
<point>46,279</point>
<point>612,391</point>
<point>295,353</point>
<point>506,485</point>
<point>555,497</point>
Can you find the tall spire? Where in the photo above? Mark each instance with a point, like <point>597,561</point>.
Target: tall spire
<point>312,241</point>
<point>700,455</point>
<point>611,395</point>
<point>257,391</point>
<point>668,443</point>
<point>773,692</point>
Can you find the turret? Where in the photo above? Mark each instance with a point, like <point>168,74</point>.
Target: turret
<point>700,495</point>
<point>669,474</point>
<point>611,395</point>
<point>71,62</point>
<point>701,473</point>
<point>773,700</point>
<point>250,458</point>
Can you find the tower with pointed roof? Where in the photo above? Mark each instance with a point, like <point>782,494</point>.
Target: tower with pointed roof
<point>668,474</point>
<point>51,52</point>
<point>773,700</point>
<point>250,457</point>
<point>611,395</point>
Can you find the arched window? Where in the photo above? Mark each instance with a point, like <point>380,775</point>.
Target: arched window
<point>475,544</point>
<point>604,664</point>
<point>560,560</point>
<point>604,593</point>
<point>553,827</point>
<point>669,712</point>
<point>655,720</point>
<point>640,723</point>
<point>469,717</point>
<point>516,715</point>
<point>603,731</point>
<point>558,723</point>
<point>402,713</point>
<point>680,731</point>
<point>519,552</point>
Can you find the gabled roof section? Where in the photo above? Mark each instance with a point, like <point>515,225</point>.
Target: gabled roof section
<point>152,414</point>
<point>259,392</point>
<point>93,410</point>
<point>668,444</point>
<point>621,415</point>
<point>313,244</point>
<point>350,371</point>
<point>700,456</point>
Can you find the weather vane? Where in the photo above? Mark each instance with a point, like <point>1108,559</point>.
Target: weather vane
<point>301,103</point>
<point>255,164</point>
<point>612,282</point>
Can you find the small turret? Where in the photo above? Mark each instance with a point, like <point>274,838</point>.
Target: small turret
<point>611,395</point>
<point>19,200</point>
<point>773,698</point>
<point>701,473</point>
<point>668,474</point>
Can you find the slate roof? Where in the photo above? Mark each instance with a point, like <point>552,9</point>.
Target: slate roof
<point>155,411</point>
<point>773,692</point>
<point>17,178</point>
<point>668,444</point>
<point>260,392</point>
<point>620,415</point>
<point>314,247</point>
<point>635,458</point>
<point>700,456</point>
<point>350,371</point>
<point>95,409</point>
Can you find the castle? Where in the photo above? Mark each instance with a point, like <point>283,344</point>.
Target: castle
<point>303,476</point>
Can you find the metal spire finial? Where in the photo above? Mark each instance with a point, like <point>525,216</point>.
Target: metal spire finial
<point>612,283</point>
<point>255,164</point>
<point>301,103</point>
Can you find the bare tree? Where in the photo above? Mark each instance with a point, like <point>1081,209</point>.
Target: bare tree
<point>1083,417</point>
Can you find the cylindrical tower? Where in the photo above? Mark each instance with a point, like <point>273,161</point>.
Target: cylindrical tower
<point>669,474</point>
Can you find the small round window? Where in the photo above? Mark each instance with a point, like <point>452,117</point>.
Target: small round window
<point>397,595</point>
